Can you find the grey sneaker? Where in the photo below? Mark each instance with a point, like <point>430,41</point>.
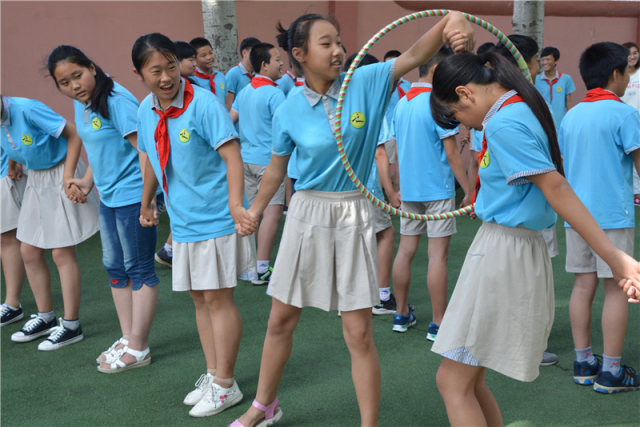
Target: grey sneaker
<point>548,359</point>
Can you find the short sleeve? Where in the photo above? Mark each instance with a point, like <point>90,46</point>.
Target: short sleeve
<point>217,127</point>
<point>570,86</point>
<point>46,119</point>
<point>232,81</point>
<point>629,132</point>
<point>476,144</point>
<point>275,100</point>
<point>123,113</point>
<point>446,133</point>
<point>518,160</point>
<point>141,146</point>
<point>282,144</point>
<point>384,134</point>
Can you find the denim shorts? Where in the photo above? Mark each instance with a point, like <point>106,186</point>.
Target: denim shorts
<point>128,248</point>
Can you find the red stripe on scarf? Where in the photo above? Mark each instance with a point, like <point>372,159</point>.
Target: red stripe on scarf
<point>415,91</point>
<point>551,83</point>
<point>599,94</point>
<point>212,84</point>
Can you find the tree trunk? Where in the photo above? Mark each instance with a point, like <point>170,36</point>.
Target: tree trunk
<point>221,29</point>
<point>528,20</point>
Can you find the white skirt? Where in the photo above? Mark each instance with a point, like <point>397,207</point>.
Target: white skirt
<point>49,220</point>
<point>502,308</point>
<point>328,253</point>
<point>11,194</point>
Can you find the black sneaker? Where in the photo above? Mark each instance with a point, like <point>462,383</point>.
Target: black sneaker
<point>163,258</point>
<point>10,315</point>
<point>61,336</point>
<point>264,278</point>
<point>34,328</point>
<point>385,307</point>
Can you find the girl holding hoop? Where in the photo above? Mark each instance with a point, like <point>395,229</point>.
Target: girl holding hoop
<point>327,257</point>
<point>506,280</point>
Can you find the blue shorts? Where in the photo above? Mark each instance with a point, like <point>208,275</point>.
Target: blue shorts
<point>128,248</point>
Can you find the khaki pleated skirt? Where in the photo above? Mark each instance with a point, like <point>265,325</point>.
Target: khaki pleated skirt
<point>328,253</point>
<point>502,308</point>
<point>11,193</point>
<point>48,219</point>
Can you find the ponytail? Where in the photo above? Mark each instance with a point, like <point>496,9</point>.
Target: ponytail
<point>465,68</point>
<point>104,83</point>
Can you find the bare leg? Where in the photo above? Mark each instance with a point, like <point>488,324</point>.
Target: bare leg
<point>70,281</point>
<point>275,354</point>
<point>268,230</point>
<point>123,301</point>
<point>12,266</point>
<point>615,314</point>
<point>584,290</point>
<point>205,328</point>
<point>38,275</point>
<point>487,402</point>
<point>402,271</point>
<point>386,239</point>
<point>365,365</point>
<point>227,330</point>
<point>437,276</point>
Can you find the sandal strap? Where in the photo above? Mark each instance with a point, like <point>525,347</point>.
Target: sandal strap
<point>138,354</point>
<point>268,410</point>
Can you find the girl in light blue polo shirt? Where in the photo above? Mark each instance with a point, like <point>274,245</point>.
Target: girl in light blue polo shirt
<point>105,116</point>
<point>327,256</point>
<point>49,147</point>
<point>502,308</point>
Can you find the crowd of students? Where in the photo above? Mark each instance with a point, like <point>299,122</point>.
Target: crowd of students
<point>219,152</point>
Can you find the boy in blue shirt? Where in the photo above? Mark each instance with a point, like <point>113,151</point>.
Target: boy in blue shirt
<point>401,88</point>
<point>428,159</point>
<point>554,86</point>
<point>206,76</point>
<point>242,74</point>
<point>253,110</point>
<point>601,134</point>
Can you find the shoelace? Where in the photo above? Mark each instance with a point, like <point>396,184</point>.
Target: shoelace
<point>4,310</point>
<point>628,370</point>
<point>56,333</point>
<point>33,323</point>
<point>201,383</point>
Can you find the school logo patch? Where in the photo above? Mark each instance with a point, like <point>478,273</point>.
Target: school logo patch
<point>222,86</point>
<point>358,120</point>
<point>485,160</point>
<point>184,135</point>
<point>27,140</point>
<point>96,123</point>
<point>559,89</point>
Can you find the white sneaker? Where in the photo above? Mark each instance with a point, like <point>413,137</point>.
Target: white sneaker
<point>216,400</point>
<point>202,386</point>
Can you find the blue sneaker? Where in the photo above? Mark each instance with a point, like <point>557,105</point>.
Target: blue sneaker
<point>402,323</point>
<point>627,380</point>
<point>584,373</point>
<point>433,331</point>
<point>263,278</point>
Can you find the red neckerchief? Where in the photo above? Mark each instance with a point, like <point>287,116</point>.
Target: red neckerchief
<point>401,91</point>
<point>551,83</point>
<point>291,76</point>
<point>257,82</point>
<point>161,135</point>
<point>415,91</point>
<point>296,81</point>
<point>599,94</point>
<point>250,75</point>
<point>212,84</point>
<point>515,98</point>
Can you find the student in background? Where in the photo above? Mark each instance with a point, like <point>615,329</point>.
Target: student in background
<point>632,97</point>
<point>401,88</point>
<point>240,75</point>
<point>555,87</point>
<point>206,76</point>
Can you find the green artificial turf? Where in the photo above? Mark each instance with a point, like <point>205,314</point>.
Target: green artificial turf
<point>63,387</point>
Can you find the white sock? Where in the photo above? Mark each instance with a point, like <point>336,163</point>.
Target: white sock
<point>263,266</point>
<point>611,364</point>
<point>168,249</point>
<point>48,317</point>
<point>71,324</point>
<point>385,294</point>
<point>585,355</point>
<point>13,308</point>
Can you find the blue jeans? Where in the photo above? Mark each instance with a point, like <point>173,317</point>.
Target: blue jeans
<point>128,248</point>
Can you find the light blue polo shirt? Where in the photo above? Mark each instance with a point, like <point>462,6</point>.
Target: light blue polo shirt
<point>32,133</point>
<point>292,168</point>
<point>219,80</point>
<point>237,79</point>
<point>506,196</point>
<point>422,159</point>
<point>374,180</point>
<point>115,163</point>
<point>286,83</point>
<point>555,93</point>
<point>597,140</point>
<point>4,163</point>
<point>196,174</point>
<point>476,142</point>
<point>395,97</point>
<point>255,108</point>
<point>306,121</point>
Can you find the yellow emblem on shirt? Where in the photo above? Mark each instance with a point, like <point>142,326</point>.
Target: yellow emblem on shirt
<point>27,140</point>
<point>184,135</point>
<point>559,89</point>
<point>96,123</point>
<point>485,160</point>
<point>222,86</point>
<point>357,119</point>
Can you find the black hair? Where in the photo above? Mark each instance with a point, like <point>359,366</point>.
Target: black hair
<point>367,59</point>
<point>248,43</point>
<point>435,59</point>
<point>104,83</point>
<point>527,47</point>
<point>298,33</point>
<point>144,47</point>
<point>464,68</point>
<point>549,50</point>
<point>199,42</point>
<point>485,47</point>
<point>260,53</point>
<point>185,50</point>
<point>629,45</point>
<point>391,54</point>
<point>599,61</point>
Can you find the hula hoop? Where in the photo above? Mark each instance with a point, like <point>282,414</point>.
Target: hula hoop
<point>343,155</point>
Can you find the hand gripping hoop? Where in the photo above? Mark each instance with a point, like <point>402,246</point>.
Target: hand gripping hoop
<point>343,90</point>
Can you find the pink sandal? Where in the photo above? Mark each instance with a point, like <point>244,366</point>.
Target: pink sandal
<point>270,417</point>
